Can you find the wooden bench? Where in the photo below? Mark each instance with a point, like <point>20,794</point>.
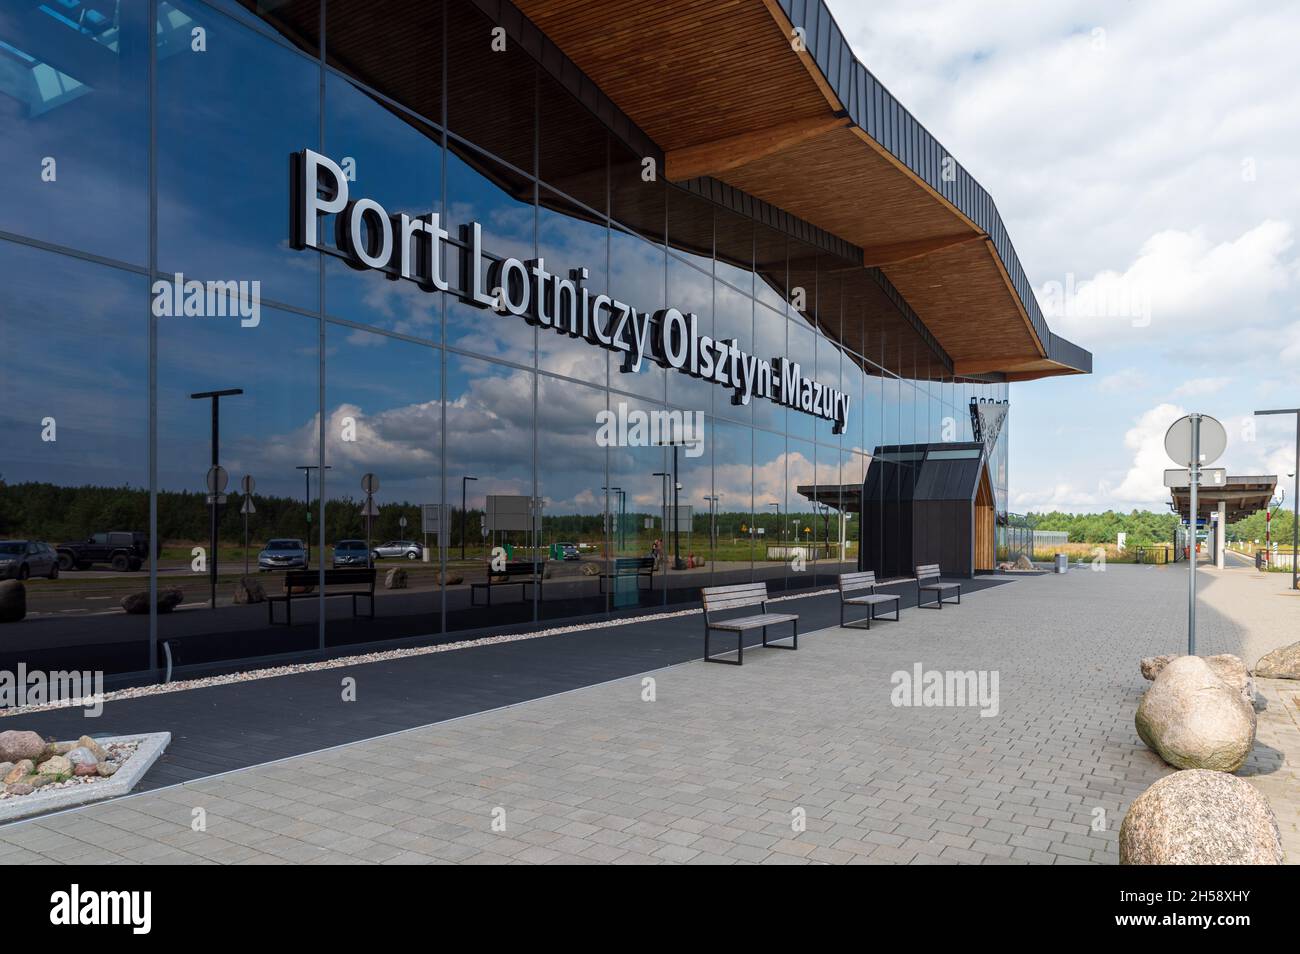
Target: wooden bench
<point>360,579</point>
<point>625,567</point>
<point>719,599</point>
<point>930,571</point>
<point>530,571</point>
<point>856,583</point>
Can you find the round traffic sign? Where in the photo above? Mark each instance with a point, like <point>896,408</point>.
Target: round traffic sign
<point>217,479</point>
<point>401,522</point>
<point>369,483</point>
<point>247,483</point>
<point>1178,441</point>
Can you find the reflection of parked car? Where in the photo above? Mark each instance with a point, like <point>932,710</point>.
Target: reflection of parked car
<point>569,551</point>
<point>409,549</point>
<point>20,559</point>
<point>283,554</point>
<point>120,549</point>
<point>350,553</point>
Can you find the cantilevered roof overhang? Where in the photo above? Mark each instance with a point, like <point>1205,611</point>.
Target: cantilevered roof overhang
<point>1242,495</point>
<point>766,96</point>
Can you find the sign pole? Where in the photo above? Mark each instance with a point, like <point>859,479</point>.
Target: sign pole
<point>1195,472</point>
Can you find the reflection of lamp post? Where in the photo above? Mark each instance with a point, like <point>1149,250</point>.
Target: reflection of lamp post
<point>677,536</point>
<point>664,497</point>
<point>215,397</point>
<point>306,473</point>
<point>1295,494</point>
<point>621,495</point>
<point>463,481</point>
<point>712,500</point>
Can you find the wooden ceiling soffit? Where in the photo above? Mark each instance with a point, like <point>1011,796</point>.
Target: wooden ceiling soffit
<point>720,155</point>
<point>994,365</point>
<point>897,252</point>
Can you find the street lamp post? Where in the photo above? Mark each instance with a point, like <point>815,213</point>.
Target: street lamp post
<point>463,482</point>
<point>306,473</point>
<point>215,397</point>
<point>1295,494</point>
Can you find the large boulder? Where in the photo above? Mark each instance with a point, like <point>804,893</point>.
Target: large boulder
<point>1151,666</point>
<point>1281,663</point>
<point>1200,818</point>
<point>13,601</point>
<point>1226,666</point>
<point>1233,671</point>
<point>1024,563</point>
<point>395,579</point>
<point>249,589</point>
<point>137,604</point>
<point>16,745</point>
<point>1193,719</point>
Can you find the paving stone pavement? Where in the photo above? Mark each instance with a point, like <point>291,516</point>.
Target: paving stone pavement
<point>725,761</point>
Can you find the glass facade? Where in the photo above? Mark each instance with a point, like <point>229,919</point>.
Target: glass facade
<point>492,471</point>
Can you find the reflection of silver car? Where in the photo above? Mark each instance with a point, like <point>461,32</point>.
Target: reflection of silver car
<point>408,549</point>
<point>283,555</point>
<point>20,559</point>
<point>350,553</point>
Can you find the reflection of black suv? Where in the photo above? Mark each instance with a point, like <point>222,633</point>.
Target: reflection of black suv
<point>122,550</point>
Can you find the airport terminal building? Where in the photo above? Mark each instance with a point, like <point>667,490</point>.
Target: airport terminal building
<point>561,311</point>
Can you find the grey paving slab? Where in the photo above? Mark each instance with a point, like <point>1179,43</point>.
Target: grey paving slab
<point>793,758</point>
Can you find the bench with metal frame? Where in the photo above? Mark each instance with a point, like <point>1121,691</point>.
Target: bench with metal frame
<point>636,567</point>
<point>930,571</point>
<point>533,576</point>
<point>307,581</point>
<point>718,599</point>
<point>865,580</point>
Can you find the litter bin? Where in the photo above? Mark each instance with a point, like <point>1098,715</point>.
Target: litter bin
<point>1062,562</point>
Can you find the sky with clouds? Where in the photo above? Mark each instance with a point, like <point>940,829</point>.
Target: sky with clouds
<point>1146,160</point>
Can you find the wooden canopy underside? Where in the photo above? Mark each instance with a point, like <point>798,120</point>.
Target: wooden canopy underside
<point>721,90</point>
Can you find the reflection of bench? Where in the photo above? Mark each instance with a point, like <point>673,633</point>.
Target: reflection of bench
<point>519,573</point>
<point>361,581</point>
<point>717,599</point>
<point>855,583</point>
<point>631,568</point>
<point>930,571</point>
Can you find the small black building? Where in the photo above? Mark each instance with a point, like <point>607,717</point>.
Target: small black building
<point>927,503</point>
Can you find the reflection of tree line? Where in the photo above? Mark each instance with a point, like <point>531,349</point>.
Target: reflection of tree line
<point>46,511</point>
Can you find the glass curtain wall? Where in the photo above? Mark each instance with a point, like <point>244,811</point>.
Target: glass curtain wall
<point>488,473</point>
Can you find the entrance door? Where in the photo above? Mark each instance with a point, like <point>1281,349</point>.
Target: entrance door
<point>984,524</point>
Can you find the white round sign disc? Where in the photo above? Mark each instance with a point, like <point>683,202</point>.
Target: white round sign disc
<point>1178,441</point>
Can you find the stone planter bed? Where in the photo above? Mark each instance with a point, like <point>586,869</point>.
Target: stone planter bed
<point>75,773</point>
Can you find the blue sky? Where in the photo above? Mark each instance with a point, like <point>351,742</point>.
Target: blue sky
<point>1146,156</point>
